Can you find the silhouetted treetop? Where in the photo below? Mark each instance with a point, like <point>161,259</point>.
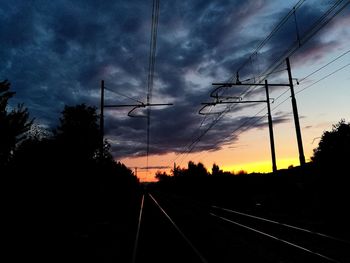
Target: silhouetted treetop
<point>196,169</point>
<point>215,170</point>
<point>334,146</point>
<point>78,131</point>
<point>161,176</point>
<point>13,124</point>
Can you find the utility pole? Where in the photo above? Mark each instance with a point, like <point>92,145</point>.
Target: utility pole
<point>294,106</point>
<point>272,141</point>
<point>296,116</point>
<point>238,83</point>
<point>130,113</point>
<point>102,118</point>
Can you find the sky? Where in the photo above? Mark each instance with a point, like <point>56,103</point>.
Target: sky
<point>56,53</point>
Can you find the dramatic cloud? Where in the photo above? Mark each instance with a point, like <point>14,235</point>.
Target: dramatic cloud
<point>56,52</point>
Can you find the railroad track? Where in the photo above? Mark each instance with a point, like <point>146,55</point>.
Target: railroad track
<point>316,247</point>
<point>182,230</point>
<point>159,238</point>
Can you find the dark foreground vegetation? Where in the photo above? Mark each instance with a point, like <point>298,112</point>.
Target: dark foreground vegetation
<point>316,195</point>
<point>63,200</point>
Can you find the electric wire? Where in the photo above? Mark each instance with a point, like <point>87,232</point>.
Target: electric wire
<point>315,71</point>
<point>123,95</point>
<point>316,27</point>
<point>325,77</point>
<point>151,66</point>
<point>275,29</point>
<point>254,120</point>
<point>332,61</point>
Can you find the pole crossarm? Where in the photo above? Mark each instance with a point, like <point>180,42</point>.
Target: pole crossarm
<point>143,105</point>
<point>230,84</point>
<point>220,85</point>
<point>230,102</point>
<point>215,95</point>
<point>207,104</point>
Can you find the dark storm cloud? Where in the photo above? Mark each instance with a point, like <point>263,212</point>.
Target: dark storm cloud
<point>56,52</point>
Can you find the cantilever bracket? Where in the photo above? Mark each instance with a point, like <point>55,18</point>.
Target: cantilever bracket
<point>216,102</point>
<point>136,106</point>
<point>205,105</point>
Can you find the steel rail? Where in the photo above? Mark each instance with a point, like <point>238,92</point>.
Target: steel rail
<point>180,232</point>
<point>138,231</point>
<point>282,224</point>
<point>276,238</point>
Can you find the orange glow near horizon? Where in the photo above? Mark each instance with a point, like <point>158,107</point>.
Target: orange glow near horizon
<point>251,154</point>
<point>262,166</point>
<point>249,167</point>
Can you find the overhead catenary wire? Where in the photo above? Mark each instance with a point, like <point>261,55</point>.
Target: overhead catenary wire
<point>221,114</point>
<point>324,66</point>
<point>123,95</point>
<point>248,91</point>
<point>327,76</point>
<point>282,102</point>
<point>315,71</point>
<point>151,66</point>
<point>254,120</point>
<point>316,27</point>
<point>274,30</point>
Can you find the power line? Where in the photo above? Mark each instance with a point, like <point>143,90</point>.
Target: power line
<point>317,26</point>
<point>244,124</point>
<point>309,86</point>
<point>278,105</point>
<point>315,71</point>
<point>307,36</point>
<point>323,78</point>
<point>275,29</point>
<point>123,95</point>
<point>151,65</point>
<point>332,61</point>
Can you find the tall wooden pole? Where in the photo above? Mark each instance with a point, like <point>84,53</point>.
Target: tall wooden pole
<point>296,116</point>
<point>272,141</point>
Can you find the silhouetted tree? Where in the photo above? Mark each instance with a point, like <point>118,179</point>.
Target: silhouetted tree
<point>78,133</point>
<point>196,169</point>
<point>331,158</point>
<point>13,124</point>
<point>215,170</point>
<point>241,172</point>
<point>334,147</point>
<point>175,171</point>
<point>161,176</point>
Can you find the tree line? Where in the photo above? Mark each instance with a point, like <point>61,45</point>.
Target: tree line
<point>72,147</point>
<point>62,195</point>
<point>331,156</point>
